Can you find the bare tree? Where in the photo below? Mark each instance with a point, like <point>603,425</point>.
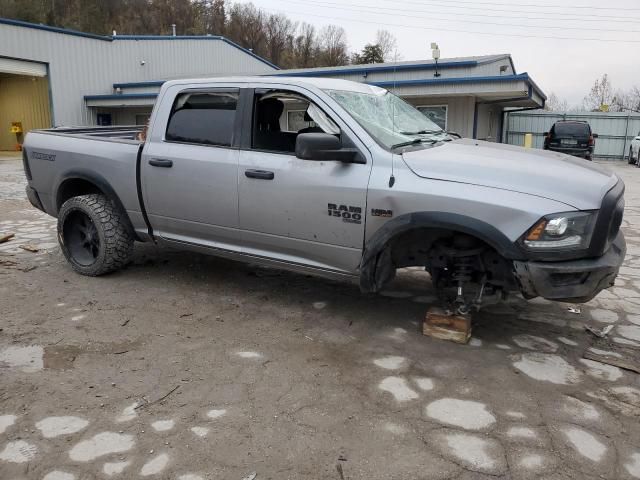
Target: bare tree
<point>388,45</point>
<point>279,32</point>
<point>246,27</point>
<point>274,37</point>
<point>333,42</point>
<point>305,47</point>
<point>627,101</point>
<point>210,16</point>
<point>601,95</point>
<point>555,104</point>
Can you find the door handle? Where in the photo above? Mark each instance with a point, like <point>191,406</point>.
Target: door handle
<point>260,174</point>
<point>161,162</point>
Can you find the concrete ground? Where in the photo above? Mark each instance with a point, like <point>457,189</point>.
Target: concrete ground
<point>190,367</point>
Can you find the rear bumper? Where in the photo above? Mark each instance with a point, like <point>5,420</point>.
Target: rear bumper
<point>34,199</point>
<point>573,281</point>
<point>575,151</point>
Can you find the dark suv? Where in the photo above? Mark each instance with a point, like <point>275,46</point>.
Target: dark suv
<point>571,137</point>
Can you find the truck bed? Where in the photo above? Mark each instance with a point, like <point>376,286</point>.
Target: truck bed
<point>127,133</point>
<point>59,160</point>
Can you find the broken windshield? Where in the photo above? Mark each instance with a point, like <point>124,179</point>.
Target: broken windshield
<point>390,120</point>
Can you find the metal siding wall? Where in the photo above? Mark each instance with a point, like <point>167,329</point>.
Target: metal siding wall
<point>610,128</point>
<point>489,122</point>
<point>81,66</point>
<point>22,99</point>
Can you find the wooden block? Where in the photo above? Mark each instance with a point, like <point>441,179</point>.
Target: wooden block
<point>455,328</point>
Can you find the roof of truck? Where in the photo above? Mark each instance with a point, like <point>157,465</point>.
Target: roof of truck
<point>322,83</point>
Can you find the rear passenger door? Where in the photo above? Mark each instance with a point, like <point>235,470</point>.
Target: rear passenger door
<point>189,169</point>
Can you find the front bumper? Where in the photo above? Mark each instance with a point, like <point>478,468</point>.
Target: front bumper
<point>575,281</point>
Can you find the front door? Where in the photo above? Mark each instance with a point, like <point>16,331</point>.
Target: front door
<point>189,172</point>
<point>305,212</point>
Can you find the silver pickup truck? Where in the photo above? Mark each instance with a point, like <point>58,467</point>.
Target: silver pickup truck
<point>332,177</point>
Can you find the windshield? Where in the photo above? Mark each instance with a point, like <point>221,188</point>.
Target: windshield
<point>571,129</point>
<point>389,119</point>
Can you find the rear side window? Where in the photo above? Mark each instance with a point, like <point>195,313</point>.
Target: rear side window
<point>206,118</point>
<point>572,129</point>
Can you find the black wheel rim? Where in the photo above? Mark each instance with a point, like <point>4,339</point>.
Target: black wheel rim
<point>81,238</point>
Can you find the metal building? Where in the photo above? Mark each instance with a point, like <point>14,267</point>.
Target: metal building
<point>46,72</point>
<point>53,76</point>
<point>466,95</point>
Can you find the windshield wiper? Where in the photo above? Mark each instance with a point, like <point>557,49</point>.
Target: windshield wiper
<point>422,132</point>
<point>415,141</point>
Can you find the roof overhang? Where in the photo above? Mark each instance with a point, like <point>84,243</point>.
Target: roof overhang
<point>121,100</point>
<point>514,90</point>
<point>507,90</point>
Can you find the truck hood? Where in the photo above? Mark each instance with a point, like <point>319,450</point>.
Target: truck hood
<point>576,182</point>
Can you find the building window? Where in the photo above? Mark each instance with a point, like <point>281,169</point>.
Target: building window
<point>142,118</point>
<point>436,113</point>
<point>296,121</point>
<point>104,119</point>
<point>203,117</point>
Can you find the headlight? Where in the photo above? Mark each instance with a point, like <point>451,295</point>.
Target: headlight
<point>561,231</point>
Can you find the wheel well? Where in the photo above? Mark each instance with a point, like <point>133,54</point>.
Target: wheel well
<point>416,247</point>
<point>75,187</point>
<point>411,248</point>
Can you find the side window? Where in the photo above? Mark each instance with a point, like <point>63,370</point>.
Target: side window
<point>206,118</point>
<point>280,116</point>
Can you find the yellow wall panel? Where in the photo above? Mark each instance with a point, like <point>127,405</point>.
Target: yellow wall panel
<point>22,99</point>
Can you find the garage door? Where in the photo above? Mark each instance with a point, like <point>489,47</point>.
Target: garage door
<point>22,67</point>
<point>23,99</point>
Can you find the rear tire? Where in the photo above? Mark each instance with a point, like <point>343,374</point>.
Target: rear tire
<point>631,159</point>
<point>93,235</point>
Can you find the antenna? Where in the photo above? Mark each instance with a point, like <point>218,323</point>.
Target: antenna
<point>435,53</point>
<point>392,178</point>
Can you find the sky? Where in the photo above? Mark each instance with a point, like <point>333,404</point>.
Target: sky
<point>565,45</point>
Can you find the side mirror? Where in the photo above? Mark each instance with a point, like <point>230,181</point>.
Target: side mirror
<point>324,146</point>
<point>594,135</point>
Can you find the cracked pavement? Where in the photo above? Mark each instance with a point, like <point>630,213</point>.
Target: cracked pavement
<point>184,366</point>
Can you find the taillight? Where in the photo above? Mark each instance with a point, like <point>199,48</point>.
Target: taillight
<point>591,141</point>
<point>25,164</point>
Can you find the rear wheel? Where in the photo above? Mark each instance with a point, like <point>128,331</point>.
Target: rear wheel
<point>631,159</point>
<point>93,235</point>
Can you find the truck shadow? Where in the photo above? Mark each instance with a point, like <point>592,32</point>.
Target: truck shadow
<point>403,304</point>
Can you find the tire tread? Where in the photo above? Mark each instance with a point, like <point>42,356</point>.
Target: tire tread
<point>118,238</point>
